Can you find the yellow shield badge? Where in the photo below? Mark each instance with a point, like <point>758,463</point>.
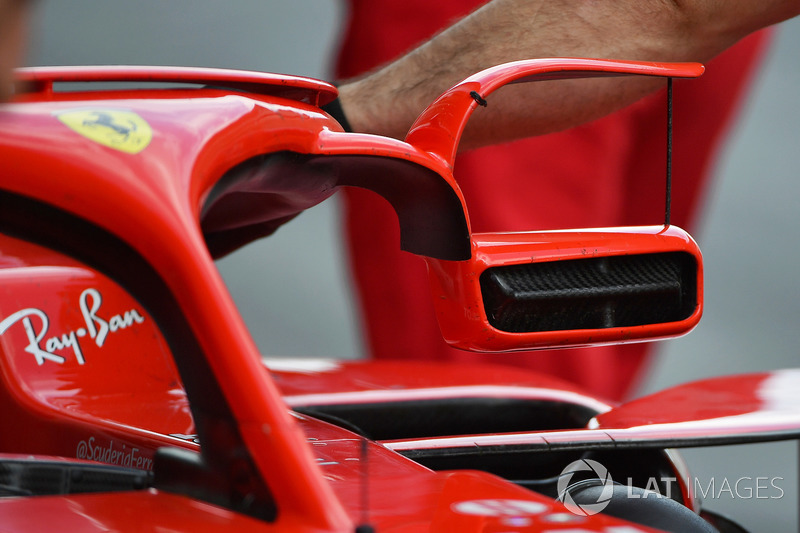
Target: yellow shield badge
<point>122,130</point>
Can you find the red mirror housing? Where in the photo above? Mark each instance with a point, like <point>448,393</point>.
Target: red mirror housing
<point>522,291</point>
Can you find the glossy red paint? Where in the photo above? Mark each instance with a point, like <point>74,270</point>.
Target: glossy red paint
<point>438,129</point>
<point>437,503</point>
<point>72,366</point>
<point>79,398</point>
<point>458,299</point>
<point>302,377</point>
<point>152,201</point>
<point>41,80</point>
<point>751,404</point>
<point>728,410</point>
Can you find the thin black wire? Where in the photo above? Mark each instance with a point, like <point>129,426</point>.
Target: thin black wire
<point>364,526</point>
<point>668,201</point>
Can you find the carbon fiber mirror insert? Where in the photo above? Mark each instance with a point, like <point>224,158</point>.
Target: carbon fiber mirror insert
<point>594,293</point>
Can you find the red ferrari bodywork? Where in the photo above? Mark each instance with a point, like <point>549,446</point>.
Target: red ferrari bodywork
<point>121,346</point>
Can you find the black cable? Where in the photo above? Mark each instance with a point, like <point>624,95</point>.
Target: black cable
<point>668,200</point>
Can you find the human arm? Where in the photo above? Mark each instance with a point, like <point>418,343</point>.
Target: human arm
<point>13,19</point>
<point>388,100</point>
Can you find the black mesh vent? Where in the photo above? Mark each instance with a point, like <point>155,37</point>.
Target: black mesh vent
<point>596,293</point>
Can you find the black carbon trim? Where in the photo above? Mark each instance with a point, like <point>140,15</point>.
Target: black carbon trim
<point>257,196</point>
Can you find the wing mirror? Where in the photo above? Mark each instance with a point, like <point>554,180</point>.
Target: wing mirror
<point>523,291</point>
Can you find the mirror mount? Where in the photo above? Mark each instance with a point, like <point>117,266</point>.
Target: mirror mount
<point>439,128</point>
<point>534,290</point>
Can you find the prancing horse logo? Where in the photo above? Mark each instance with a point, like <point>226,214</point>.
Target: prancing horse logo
<point>105,120</point>
<point>122,130</point>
